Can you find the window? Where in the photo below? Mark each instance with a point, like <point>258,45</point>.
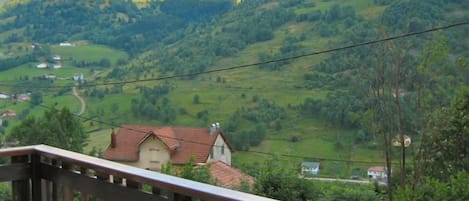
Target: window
<point>222,149</point>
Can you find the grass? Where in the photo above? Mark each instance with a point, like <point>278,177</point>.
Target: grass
<point>30,70</point>
<point>99,139</point>
<point>315,144</point>
<point>89,53</point>
<point>49,100</point>
<point>359,5</point>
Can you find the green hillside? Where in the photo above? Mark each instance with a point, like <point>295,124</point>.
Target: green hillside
<point>315,108</point>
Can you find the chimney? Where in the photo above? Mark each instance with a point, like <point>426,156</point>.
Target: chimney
<point>213,129</point>
<point>113,139</point>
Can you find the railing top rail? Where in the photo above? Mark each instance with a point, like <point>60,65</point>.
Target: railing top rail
<point>175,184</point>
<point>16,151</point>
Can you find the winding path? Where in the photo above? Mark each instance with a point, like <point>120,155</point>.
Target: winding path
<point>82,101</point>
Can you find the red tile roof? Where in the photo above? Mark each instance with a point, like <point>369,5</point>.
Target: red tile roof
<point>228,176</point>
<point>183,142</point>
<point>377,169</point>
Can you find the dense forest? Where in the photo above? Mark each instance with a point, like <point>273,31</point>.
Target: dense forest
<point>371,95</point>
<point>119,24</point>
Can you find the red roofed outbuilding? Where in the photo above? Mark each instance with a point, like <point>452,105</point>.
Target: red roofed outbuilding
<point>150,147</point>
<point>9,113</point>
<point>377,172</point>
<point>228,176</point>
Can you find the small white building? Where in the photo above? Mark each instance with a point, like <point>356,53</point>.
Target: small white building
<point>65,44</point>
<point>23,97</point>
<point>377,172</point>
<point>56,57</point>
<point>9,113</point>
<point>41,65</point>
<point>50,76</point>
<point>56,66</point>
<point>78,77</point>
<point>309,168</point>
<point>4,96</point>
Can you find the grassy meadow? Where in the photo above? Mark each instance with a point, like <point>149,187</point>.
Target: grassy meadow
<point>88,53</point>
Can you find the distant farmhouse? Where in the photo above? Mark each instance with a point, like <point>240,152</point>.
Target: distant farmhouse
<point>50,76</point>
<point>377,172</point>
<point>41,65</point>
<point>9,113</point>
<point>65,44</point>
<point>4,96</point>
<point>56,57</point>
<point>78,77</point>
<point>310,168</point>
<point>23,97</point>
<point>57,65</point>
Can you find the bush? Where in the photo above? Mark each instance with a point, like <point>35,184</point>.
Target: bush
<point>5,192</point>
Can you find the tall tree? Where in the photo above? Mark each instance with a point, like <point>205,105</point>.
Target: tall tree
<point>445,146</point>
<point>279,182</point>
<point>58,128</point>
<point>434,189</point>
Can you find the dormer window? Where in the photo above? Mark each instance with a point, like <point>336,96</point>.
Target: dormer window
<point>222,149</point>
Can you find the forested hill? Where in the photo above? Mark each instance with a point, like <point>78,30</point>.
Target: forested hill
<point>119,24</point>
<point>190,36</point>
<point>336,105</point>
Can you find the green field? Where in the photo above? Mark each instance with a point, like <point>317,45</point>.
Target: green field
<point>89,52</point>
<point>99,139</point>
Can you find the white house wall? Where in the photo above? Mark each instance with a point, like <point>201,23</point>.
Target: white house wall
<point>217,151</point>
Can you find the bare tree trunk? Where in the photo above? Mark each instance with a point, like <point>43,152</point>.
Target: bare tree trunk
<point>400,127</point>
<point>381,107</point>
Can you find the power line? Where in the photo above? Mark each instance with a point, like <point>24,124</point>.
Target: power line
<point>211,145</point>
<point>267,62</point>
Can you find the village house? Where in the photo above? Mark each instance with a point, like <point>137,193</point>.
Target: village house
<point>78,77</point>
<point>65,44</point>
<point>310,168</point>
<point>4,96</point>
<point>50,76</point>
<point>41,65</point>
<point>150,147</point>
<point>9,113</point>
<point>56,57</point>
<point>23,97</point>
<point>57,65</point>
<point>377,172</point>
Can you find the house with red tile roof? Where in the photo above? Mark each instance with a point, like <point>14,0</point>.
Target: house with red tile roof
<point>227,176</point>
<point>377,172</point>
<point>150,147</point>
<point>9,113</point>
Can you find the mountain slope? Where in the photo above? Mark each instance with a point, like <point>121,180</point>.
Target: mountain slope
<point>283,107</point>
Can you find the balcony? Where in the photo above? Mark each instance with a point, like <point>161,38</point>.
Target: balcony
<point>43,173</point>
